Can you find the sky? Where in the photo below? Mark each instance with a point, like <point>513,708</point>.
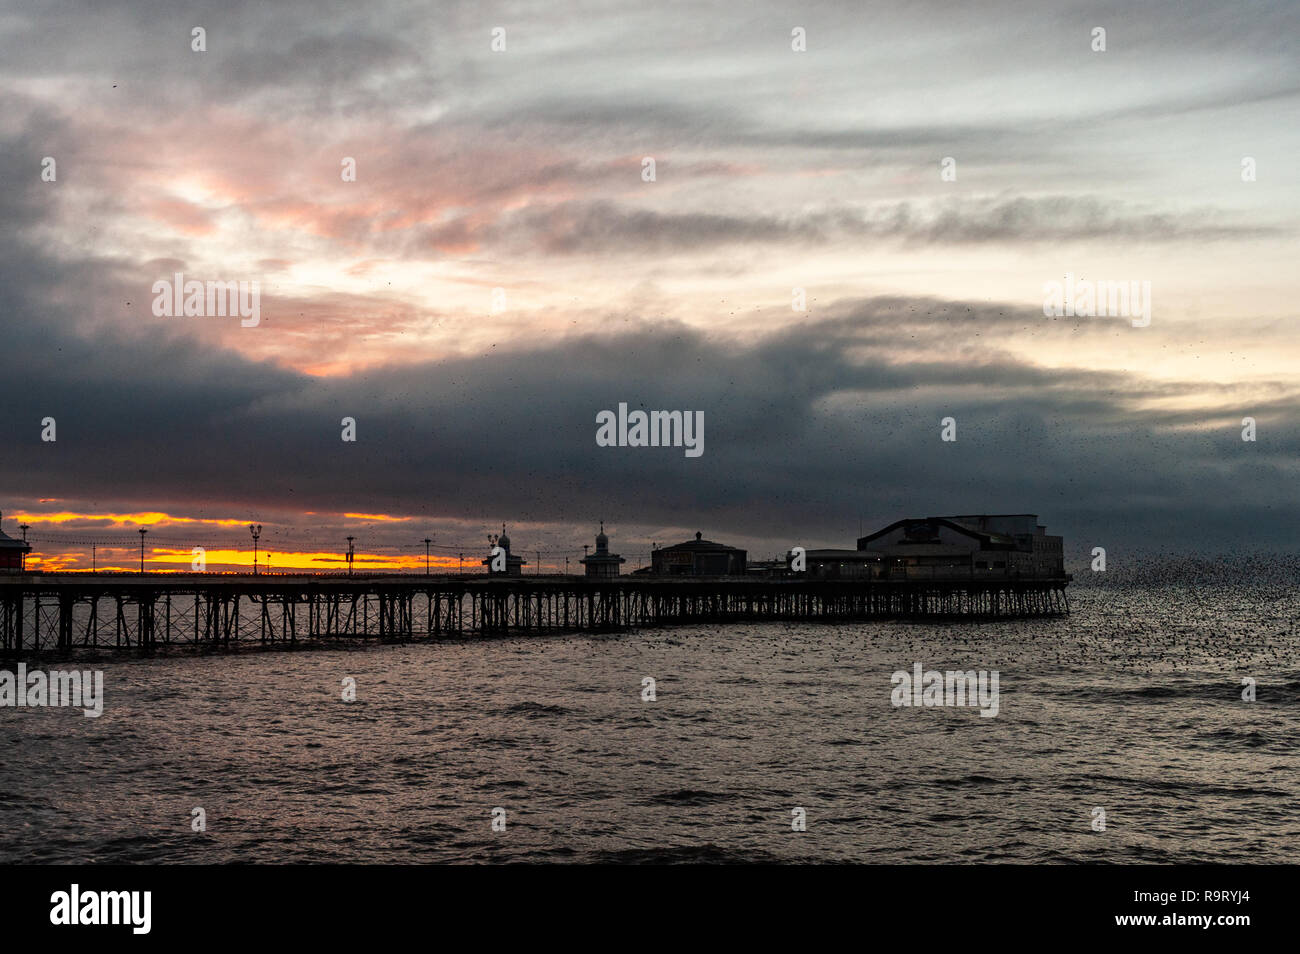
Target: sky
<point>503,267</point>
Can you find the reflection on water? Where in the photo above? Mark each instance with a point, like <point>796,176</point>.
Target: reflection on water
<point>1132,704</point>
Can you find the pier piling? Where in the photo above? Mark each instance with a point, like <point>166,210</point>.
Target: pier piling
<point>134,614</point>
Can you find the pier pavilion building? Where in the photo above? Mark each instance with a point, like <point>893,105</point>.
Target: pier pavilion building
<point>514,566</point>
<point>602,564</point>
<point>1012,545</point>
<point>698,557</point>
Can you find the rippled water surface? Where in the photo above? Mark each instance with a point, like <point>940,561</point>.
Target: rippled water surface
<point>1132,704</point>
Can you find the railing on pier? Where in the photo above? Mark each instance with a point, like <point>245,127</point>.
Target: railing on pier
<point>147,612</point>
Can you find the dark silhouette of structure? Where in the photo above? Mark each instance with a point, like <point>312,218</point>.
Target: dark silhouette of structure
<point>13,554</point>
<point>985,566</point>
<point>602,563</point>
<point>140,614</point>
<point>698,557</point>
<point>971,546</point>
<point>505,564</point>
<point>1002,544</point>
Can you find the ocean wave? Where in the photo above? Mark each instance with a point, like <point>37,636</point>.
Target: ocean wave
<point>531,710</point>
<point>689,796</point>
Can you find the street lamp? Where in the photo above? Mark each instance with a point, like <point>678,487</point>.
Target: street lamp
<point>24,527</point>
<point>350,539</point>
<point>427,541</point>
<point>143,531</point>
<point>256,530</point>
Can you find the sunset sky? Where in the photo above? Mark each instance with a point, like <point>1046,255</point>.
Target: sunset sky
<point>522,170</point>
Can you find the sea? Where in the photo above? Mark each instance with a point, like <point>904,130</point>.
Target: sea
<point>1157,723</point>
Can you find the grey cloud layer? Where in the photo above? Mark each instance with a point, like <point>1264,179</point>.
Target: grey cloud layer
<point>573,227</point>
<point>801,439</point>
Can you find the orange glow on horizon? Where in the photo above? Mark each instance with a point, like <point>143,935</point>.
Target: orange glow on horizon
<point>124,520</point>
<point>274,561</point>
<point>231,555</point>
<point>153,518</point>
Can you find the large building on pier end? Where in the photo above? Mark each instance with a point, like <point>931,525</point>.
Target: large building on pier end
<point>978,545</point>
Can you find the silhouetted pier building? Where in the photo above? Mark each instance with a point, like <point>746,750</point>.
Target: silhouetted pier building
<point>970,545</point>
<point>513,566</point>
<point>13,553</point>
<point>698,557</point>
<point>602,564</point>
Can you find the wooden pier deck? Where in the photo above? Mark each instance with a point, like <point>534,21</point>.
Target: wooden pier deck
<point>142,613</point>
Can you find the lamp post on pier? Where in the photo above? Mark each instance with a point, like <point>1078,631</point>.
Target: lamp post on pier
<point>256,530</point>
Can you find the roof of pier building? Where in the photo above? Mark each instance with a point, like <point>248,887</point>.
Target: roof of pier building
<point>699,543</point>
<point>932,532</point>
<point>9,542</point>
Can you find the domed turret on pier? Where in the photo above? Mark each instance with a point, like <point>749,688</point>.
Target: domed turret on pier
<point>602,563</point>
<point>505,563</point>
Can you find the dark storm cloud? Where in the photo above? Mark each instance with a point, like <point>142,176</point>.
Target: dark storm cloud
<point>801,439</point>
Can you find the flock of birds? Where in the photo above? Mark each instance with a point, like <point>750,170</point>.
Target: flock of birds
<point>1172,623</point>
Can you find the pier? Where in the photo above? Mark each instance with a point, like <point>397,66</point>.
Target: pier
<point>130,614</point>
